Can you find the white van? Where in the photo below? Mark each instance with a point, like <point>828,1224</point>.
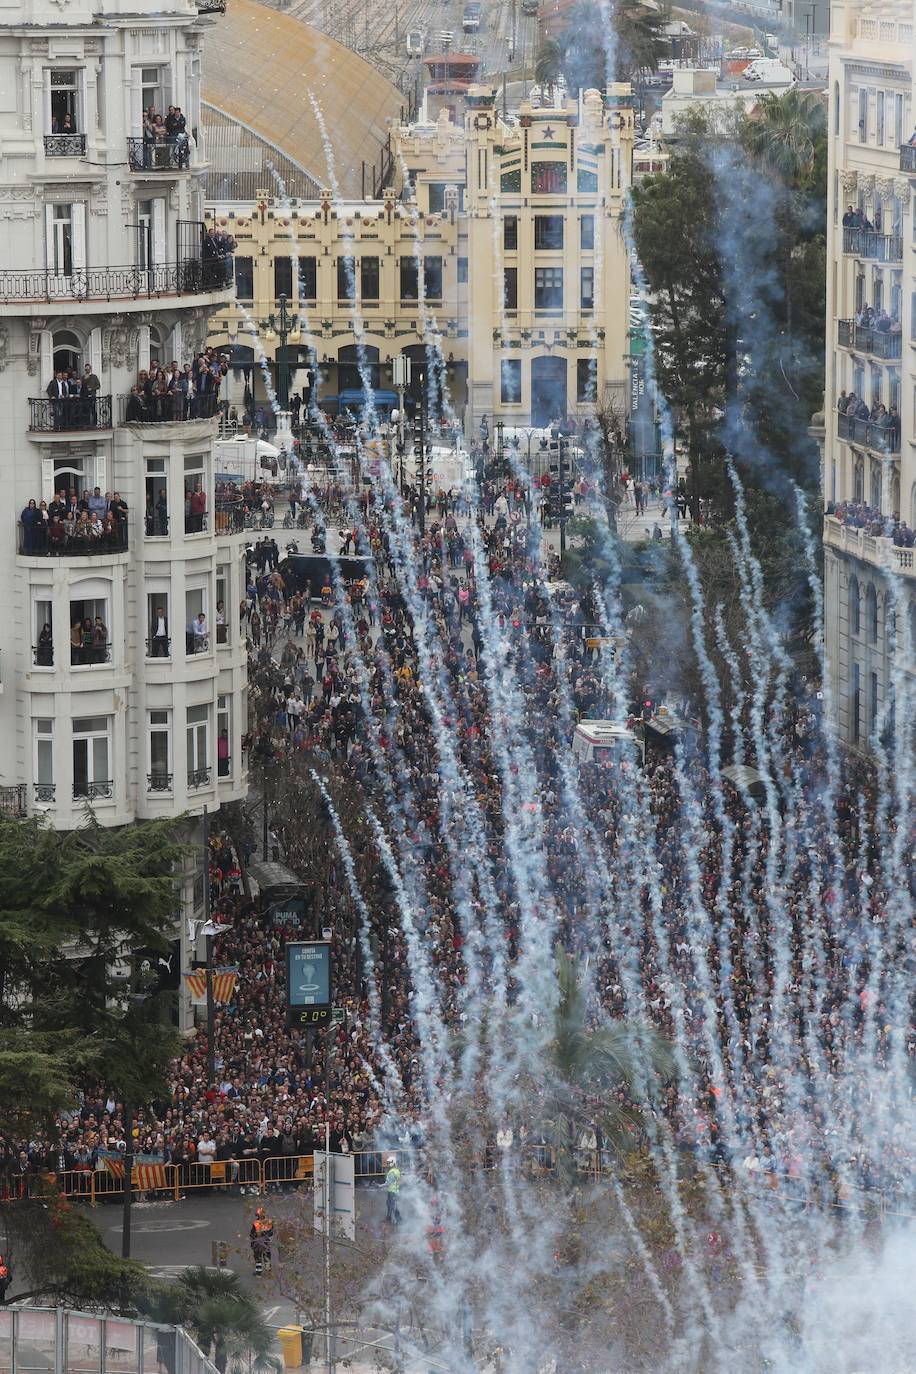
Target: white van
<point>770,71</point>
<point>606,741</point>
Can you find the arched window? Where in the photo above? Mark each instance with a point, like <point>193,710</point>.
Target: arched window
<point>895,497</point>
<point>871,614</point>
<point>158,343</point>
<point>68,351</point>
<point>858,481</point>
<point>855,607</point>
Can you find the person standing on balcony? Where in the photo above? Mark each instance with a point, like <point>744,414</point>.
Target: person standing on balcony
<point>90,386</point>
<point>159,639</point>
<point>29,519</point>
<point>198,509</point>
<point>58,390</point>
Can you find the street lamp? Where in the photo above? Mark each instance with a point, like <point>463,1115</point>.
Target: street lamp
<point>283,324</point>
<point>400,374</point>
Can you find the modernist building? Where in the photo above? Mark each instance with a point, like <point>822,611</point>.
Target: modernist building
<point>870,581</point>
<point>503,258</point>
<point>104,264</point>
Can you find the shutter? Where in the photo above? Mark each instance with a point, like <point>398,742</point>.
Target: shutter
<point>78,222</point>
<point>100,466</point>
<point>95,351</point>
<point>49,237</point>
<point>47,479</point>
<point>46,355</point>
<point>143,347</point>
<point>136,102</point>
<point>46,98</point>
<point>158,235</point>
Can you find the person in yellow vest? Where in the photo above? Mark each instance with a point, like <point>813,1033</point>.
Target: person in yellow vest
<point>392,1190</point>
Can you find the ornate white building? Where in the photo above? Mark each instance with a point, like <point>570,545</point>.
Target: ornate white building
<point>870,580</point>
<point>103,262</point>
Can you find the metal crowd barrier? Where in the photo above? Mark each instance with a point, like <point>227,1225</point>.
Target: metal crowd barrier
<point>56,1341</point>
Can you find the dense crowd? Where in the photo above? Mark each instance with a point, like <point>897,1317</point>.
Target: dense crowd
<point>171,392</point>
<point>860,515</point>
<point>773,984</point>
<point>75,524</point>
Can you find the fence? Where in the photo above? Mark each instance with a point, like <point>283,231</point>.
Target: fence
<point>54,1341</point>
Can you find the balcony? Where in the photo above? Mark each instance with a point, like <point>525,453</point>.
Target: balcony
<point>41,543</point>
<point>12,800</point>
<point>159,155</point>
<point>868,434</point>
<point>158,782</point>
<point>93,791</point>
<point>89,655</point>
<point>879,343</point>
<point>224,767</point>
<point>908,157</point>
<point>878,550</point>
<point>196,644</point>
<point>199,777</point>
<point>867,243</point>
<point>45,793</point>
<point>156,525</point>
<point>43,655</point>
<point>196,523</point>
<point>173,408</point>
<point>65,145</point>
<point>193,276</point>
<point>230,515</point>
<point>59,416</point>
<point>159,646</point>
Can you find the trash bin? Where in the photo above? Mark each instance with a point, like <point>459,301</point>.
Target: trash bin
<point>290,1338</point>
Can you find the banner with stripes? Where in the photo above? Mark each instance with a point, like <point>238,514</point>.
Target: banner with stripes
<point>148,1171</point>
<point>224,980</point>
<point>113,1161</point>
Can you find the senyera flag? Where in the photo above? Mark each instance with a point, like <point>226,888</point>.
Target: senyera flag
<point>148,1171</point>
<point>224,980</point>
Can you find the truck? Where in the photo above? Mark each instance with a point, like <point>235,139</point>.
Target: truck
<point>470,20</point>
<point>768,70</point>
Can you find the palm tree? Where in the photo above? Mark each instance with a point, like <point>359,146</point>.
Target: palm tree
<point>548,65</point>
<point>787,133</point>
<point>221,1317</point>
<point>586,1067</point>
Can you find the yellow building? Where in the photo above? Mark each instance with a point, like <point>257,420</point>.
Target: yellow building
<point>503,260</point>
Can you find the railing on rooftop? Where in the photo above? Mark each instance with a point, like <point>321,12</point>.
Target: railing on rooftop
<point>191,276</point>
<point>880,343</point>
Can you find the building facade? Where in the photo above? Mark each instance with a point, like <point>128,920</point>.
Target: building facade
<point>869,459</point>
<point>105,266</point>
<point>502,263</point>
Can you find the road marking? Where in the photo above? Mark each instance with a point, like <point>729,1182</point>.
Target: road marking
<point>167,1224</point>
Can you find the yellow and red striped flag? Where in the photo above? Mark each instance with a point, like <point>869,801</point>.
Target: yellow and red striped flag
<point>224,981</point>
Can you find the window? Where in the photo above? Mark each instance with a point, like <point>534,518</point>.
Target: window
<point>836,108</point>
<point>346,279</point>
<point>462,271</point>
<point>437,191</point>
<point>223,736</point>
<point>42,634</point>
<point>65,111</point>
<point>432,278</point>
<point>548,231</point>
<point>548,288</point>
<point>157,498</point>
<point>871,611</point>
<point>879,121</point>
<point>222,618</point>
<point>43,741</point>
<point>855,607</point>
<point>863,116</point>
<point>283,278</point>
<point>198,745</point>
<point>510,288</point>
<point>409,280</point>
<point>899,134</point>
<point>195,493</point>
<point>159,778</point>
<point>510,381</point>
<point>548,178</point>
<point>587,288</point>
<point>510,183</point>
<point>369,279</point>
<point>510,233</point>
<point>159,630</point>
<point>587,233</point>
<point>152,90</point>
<point>60,245</point>
<point>586,181</point>
<point>873,703</point>
<point>67,351</point>
<point>855,702</point>
<point>308,279</point>
<point>586,375</point>
<point>91,761</point>
<point>90,641</point>
<point>244,278</point>
<point>197,628</point>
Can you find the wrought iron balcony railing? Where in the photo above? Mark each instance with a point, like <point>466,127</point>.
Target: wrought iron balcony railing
<point>39,542</point>
<point>89,655</point>
<point>94,791</point>
<point>45,793</point>
<point>867,243</point>
<point>50,415</point>
<point>159,782</point>
<point>199,777</point>
<point>159,154</point>
<point>880,343</point>
<point>190,277</point>
<point>165,410</point>
<point>159,646</point>
<point>65,145</point>
<point>12,800</point>
<point>211,6</point>
<point>869,433</point>
<point>908,157</point>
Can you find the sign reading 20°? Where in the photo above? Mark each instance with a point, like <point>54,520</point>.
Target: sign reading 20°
<point>308,983</point>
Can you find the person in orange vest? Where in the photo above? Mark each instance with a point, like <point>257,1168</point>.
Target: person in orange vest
<point>6,1277</point>
<point>260,1236</point>
<point>435,1230</point>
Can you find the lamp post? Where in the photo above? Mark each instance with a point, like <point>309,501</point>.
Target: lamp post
<point>421,423</point>
<point>400,375</point>
<point>283,324</point>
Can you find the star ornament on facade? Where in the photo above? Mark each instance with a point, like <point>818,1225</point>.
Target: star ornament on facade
<point>548,132</point>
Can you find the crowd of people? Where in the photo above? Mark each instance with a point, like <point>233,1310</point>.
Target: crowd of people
<point>860,515</point>
<point>756,955</point>
<point>171,392</point>
<point>877,414</point>
<point>71,523</point>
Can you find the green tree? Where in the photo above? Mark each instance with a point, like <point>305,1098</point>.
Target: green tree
<point>788,135</point>
<point>548,64</point>
<point>58,1256</point>
<point>72,909</point>
<point>223,1318</point>
<point>584,1068</point>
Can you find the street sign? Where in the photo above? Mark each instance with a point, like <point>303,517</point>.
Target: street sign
<point>308,983</point>
<point>337,1193</point>
<point>337,1016</point>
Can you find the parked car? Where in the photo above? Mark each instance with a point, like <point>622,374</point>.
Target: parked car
<point>768,70</point>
